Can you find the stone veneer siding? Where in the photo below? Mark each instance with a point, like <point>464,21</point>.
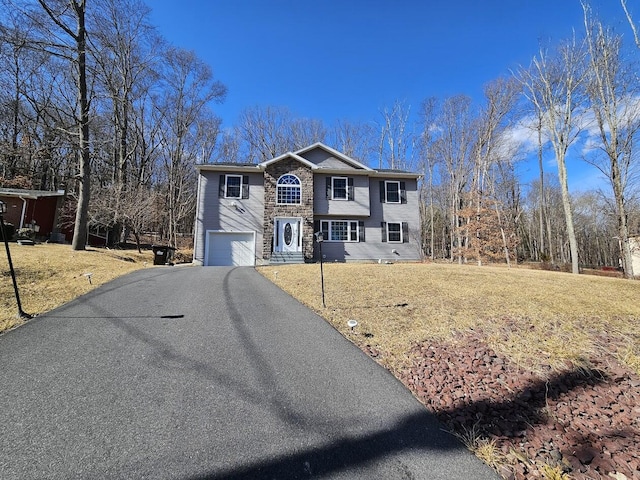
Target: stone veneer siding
<point>305,209</point>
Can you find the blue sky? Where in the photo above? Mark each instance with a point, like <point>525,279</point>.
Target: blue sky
<point>349,59</point>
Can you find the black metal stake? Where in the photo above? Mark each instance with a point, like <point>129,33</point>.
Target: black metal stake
<point>321,272</point>
<point>21,313</point>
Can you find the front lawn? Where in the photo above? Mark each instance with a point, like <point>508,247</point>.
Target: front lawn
<point>535,318</point>
<point>49,275</point>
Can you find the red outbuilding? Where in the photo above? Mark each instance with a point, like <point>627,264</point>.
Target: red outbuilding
<point>36,209</point>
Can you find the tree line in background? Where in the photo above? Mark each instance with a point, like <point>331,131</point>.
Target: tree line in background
<point>96,103</point>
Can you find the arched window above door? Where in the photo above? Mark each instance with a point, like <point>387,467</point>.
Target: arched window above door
<point>288,190</point>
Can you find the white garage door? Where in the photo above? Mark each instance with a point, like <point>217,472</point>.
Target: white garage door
<point>231,248</point>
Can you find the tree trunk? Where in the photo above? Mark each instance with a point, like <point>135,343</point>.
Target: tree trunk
<point>568,214</point>
<point>137,237</point>
<point>549,236</point>
<point>123,143</point>
<point>541,248</point>
<point>505,247</point>
<point>432,244</point>
<point>80,231</point>
<point>623,228</point>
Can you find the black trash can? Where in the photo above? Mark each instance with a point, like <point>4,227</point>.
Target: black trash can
<point>162,254</point>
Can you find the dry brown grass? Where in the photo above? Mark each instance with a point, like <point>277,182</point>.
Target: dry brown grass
<point>50,275</point>
<point>533,317</point>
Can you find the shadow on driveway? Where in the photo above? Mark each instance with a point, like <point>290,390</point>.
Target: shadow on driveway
<point>208,373</point>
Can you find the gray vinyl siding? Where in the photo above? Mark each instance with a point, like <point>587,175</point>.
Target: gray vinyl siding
<point>228,214</point>
<point>373,248</point>
<point>395,212</point>
<point>325,160</point>
<point>359,206</point>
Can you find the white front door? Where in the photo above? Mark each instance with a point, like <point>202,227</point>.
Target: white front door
<point>287,235</point>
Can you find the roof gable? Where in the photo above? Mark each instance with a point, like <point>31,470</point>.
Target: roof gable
<point>326,157</point>
<point>294,156</point>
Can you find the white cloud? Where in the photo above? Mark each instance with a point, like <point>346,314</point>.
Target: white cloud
<point>628,114</point>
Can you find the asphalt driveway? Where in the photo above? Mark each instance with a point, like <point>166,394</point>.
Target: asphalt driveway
<point>196,373</point>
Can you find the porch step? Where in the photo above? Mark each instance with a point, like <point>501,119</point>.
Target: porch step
<point>287,257</point>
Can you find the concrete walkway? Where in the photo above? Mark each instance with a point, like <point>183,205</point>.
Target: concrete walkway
<point>197,373</point>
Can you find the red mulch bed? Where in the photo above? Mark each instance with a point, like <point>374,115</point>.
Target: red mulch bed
<point>586,423</point>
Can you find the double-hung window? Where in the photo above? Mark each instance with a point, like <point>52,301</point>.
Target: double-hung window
<point>339,188</point>
<point>395,232</point>
<point>393,191</point>
<point>233,186</point>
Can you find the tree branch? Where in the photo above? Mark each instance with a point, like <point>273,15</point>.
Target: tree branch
<point>56,20</point>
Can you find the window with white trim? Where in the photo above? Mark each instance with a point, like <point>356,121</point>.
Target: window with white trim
<point>339,188</point>
<point>288,190</point>
<point>394,232</point>
<point>392,191</point>
<point>233,186</point>
<point>340,230</point>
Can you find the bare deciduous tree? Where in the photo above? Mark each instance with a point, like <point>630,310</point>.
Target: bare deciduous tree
<point>68,17</point>
<point>448,139</point>
<point>632,24</point>
<point>265,131</point>
<point>490,150</point>
<point>428,163</point>
<point>188,128</point>
<point>125,48</point>
<point>354,139</point>
<point>613,95</point>
<point>306,131</point>
<point>555,85</point>
<point>396,140</point>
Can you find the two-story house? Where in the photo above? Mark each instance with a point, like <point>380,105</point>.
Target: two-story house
<point>250,214</point>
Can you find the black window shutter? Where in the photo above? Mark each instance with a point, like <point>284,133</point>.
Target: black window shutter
<point>383,227</point>
<point>405,232</point>
<point>325,232</point>
<point>221,189</point>
<point>245,186</point>
<point>316,226</point>
<point>361,230</point>
<point>382,192</point>
<point>350,195</point>
<point>403,192</point>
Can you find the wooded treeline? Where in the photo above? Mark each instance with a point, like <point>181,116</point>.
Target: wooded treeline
<point>94,101</point>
